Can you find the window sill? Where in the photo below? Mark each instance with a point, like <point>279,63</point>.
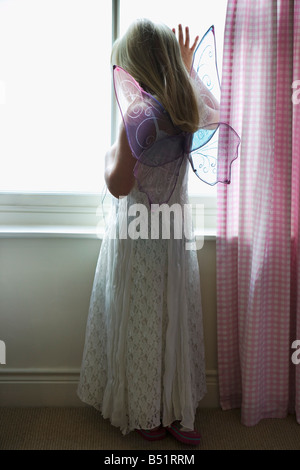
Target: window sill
<point>51,231</point>
<point>30,215</point>
<point>59,231</point>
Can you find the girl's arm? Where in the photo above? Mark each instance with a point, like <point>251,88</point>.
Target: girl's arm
<point>212,106</point>
<point>119,165</point>
<point>187,52</point>
<point>205,93</point>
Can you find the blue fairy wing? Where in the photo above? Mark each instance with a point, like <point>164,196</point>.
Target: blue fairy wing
<point>205,69</point>
<point>155,142</point>
<point>215,145</point>
<point>215,148</point>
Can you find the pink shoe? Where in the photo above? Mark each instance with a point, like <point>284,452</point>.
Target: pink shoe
<point>191,438</point>
<point>152,434</point>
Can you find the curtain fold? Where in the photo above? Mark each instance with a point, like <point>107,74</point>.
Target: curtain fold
<point>258,273</point>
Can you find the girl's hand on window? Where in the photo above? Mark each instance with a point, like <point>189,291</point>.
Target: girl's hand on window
<point>187,52</point>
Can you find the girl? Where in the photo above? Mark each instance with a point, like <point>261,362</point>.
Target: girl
<point>143,362</point>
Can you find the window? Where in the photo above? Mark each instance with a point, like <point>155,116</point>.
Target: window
<point>55,94</point>
<point>56,100</point>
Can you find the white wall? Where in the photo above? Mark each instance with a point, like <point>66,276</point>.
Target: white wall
<point>45,286</point>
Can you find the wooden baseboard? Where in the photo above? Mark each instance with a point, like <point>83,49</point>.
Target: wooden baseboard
<point>55,387</point>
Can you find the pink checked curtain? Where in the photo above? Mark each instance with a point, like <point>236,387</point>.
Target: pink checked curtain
<point>258,259</point>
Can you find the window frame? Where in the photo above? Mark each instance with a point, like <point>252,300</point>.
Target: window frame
<point>71,214</point>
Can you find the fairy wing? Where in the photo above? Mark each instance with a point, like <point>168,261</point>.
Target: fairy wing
<point>214,146</point>
<point>155,142</point>
<point>159,147</point>
<point>205,70</point>
<point>211,161</point>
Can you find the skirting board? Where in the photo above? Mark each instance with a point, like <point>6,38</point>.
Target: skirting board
<point>41,387</point>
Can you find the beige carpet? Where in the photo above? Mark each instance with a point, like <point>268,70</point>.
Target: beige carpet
<point>84,429</point>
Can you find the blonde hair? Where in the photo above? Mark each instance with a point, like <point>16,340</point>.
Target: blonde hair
<point>151,54</point>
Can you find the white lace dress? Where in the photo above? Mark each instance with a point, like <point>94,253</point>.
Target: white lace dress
<point>143,360</point>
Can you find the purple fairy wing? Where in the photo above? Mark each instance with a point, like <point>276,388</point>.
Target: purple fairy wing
<point>155,142</point>
<point>214,146</point>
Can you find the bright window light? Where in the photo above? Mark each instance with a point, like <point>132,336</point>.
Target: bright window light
<point>55,86</point>
<point>199,15</point>
<point>55,97</point>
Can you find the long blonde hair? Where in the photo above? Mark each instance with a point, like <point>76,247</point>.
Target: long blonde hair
<point>151,54</point>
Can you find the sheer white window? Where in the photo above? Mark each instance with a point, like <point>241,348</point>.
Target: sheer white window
<point>56,108</point>
<point>55,97</point>
<point>55,79</point>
